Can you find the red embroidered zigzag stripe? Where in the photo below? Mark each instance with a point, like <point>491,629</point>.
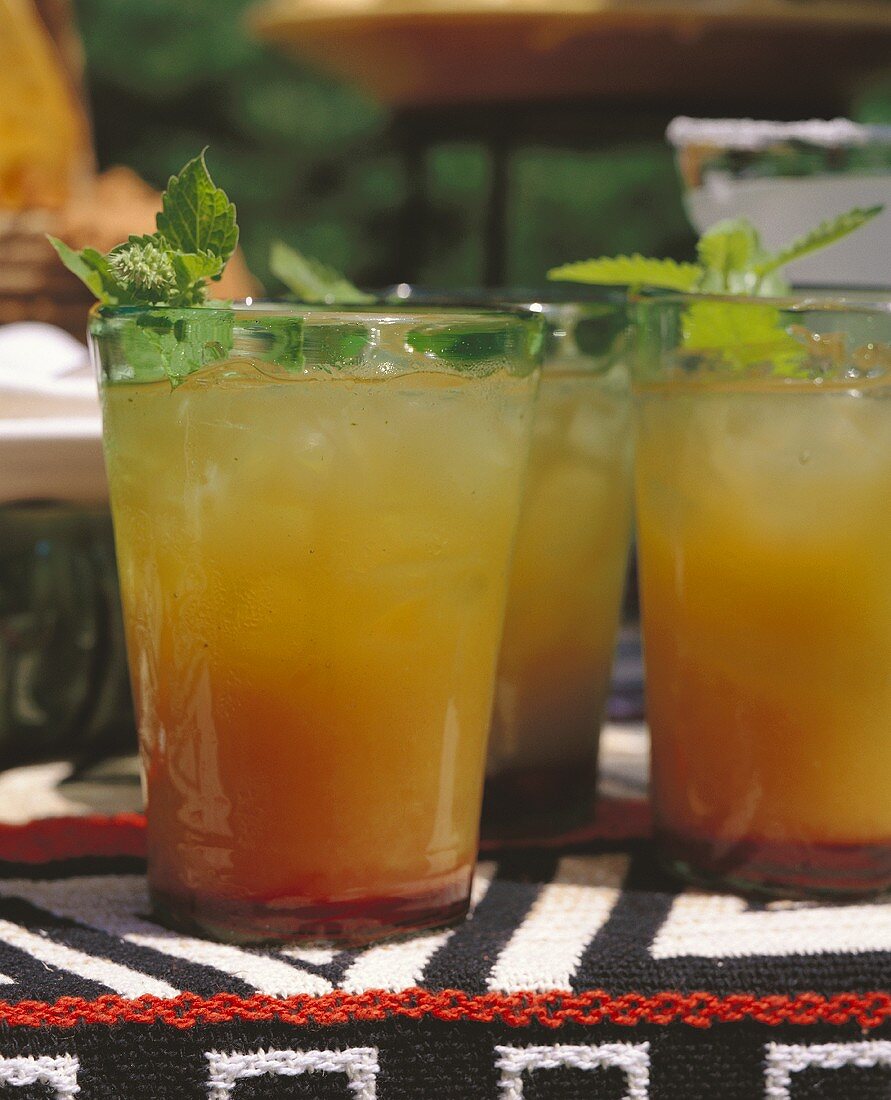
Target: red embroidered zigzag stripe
<point>70,837</point>
<point>124,834</point>
<point>553,1010</point>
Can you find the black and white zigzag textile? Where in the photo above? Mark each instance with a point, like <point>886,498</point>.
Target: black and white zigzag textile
<point>582,973</point>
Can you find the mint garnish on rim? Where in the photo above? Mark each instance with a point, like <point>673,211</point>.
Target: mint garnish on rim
<point>732,261</point>
<point>195,236</point>
<point>166,273</point>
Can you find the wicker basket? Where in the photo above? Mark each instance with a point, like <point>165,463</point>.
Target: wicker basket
<point>33,284</point>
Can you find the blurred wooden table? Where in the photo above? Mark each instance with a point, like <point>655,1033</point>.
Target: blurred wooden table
<point>710,55</point>
<point>578,74</point>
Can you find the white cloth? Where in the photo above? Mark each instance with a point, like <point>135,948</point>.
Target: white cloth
<point>50,425</point>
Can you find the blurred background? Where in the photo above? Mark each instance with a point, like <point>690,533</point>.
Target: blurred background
<point>317,162</point>
<point>467,181</point>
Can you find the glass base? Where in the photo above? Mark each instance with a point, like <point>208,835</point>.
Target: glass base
<point>537,801</point>
<point>779,868</point>
<point>346,923</point>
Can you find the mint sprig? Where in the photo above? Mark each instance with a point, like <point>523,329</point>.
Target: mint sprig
<point>731,260</point>
<point>196,235</point>
<point>729,255</point>
<point>631,271</point>
<point>826,233</point>
<point>91,267</point>
<point>168,271</point>
<point>196,216</point>
<point>313,281</point>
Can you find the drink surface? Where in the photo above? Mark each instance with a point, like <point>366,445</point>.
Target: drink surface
<point>764,526</point>
<point>313,573</point>
<point>566,582</point>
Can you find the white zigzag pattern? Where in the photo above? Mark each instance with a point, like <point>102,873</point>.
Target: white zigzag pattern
<point>358,1063</point>
<point>121,979</point>
<point>784,1059</point>
<point>632,1058</point>
<point>400,965</point>
<point>544,951</point>
<point>113,904</point>
<point>723,926</point>
<point>59,1072</point>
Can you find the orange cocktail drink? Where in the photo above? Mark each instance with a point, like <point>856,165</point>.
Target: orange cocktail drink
<point>764,513</point>
<point>313,534</point>
<point>567,577</point>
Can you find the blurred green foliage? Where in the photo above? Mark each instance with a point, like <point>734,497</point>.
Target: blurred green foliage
<point>872,101</point>
<point>319,165</point>
<point>301,156</point>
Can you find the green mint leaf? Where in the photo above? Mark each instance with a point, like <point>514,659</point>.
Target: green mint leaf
<point>633,271</point>
<point>732,261</point>
<point>197,216</point>
<point>728,253</point>
<point>311,280</point>
<point>93,270</point>
<point>196,265</point>
<point>176,344</point>
<point>280,340</point>
<point>461,342</point>
<point>826,233</point>
<point>744,334</point>
<point>190,270</point>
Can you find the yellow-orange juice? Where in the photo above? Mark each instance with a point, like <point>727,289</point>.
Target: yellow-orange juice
<point>764,512</point>
<point>313,569</point>
<point>564,596</point>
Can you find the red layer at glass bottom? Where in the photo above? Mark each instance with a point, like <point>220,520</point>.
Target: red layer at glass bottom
<point>538,801</point>
<point>342,922</point>
<point>778,868</point>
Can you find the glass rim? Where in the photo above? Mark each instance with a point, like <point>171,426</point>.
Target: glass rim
<point>799,300</point>
<point>148,343</point>
<point>322,314</point>
<point>558,295</point>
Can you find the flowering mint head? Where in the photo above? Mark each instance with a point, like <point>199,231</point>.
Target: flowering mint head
<point>195,236</point>
<point>145,267</point>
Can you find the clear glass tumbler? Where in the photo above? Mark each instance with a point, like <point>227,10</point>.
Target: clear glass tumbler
<point>764,528</point>
<point>314,514</point>
<point>568,575</point>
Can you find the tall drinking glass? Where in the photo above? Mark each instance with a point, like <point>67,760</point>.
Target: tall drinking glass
<point>314,523</point>
<point>570,562</point>
<point>764,519</point>
<point>568,574</point>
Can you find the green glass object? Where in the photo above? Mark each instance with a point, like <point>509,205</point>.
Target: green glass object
<point>63,669</point>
